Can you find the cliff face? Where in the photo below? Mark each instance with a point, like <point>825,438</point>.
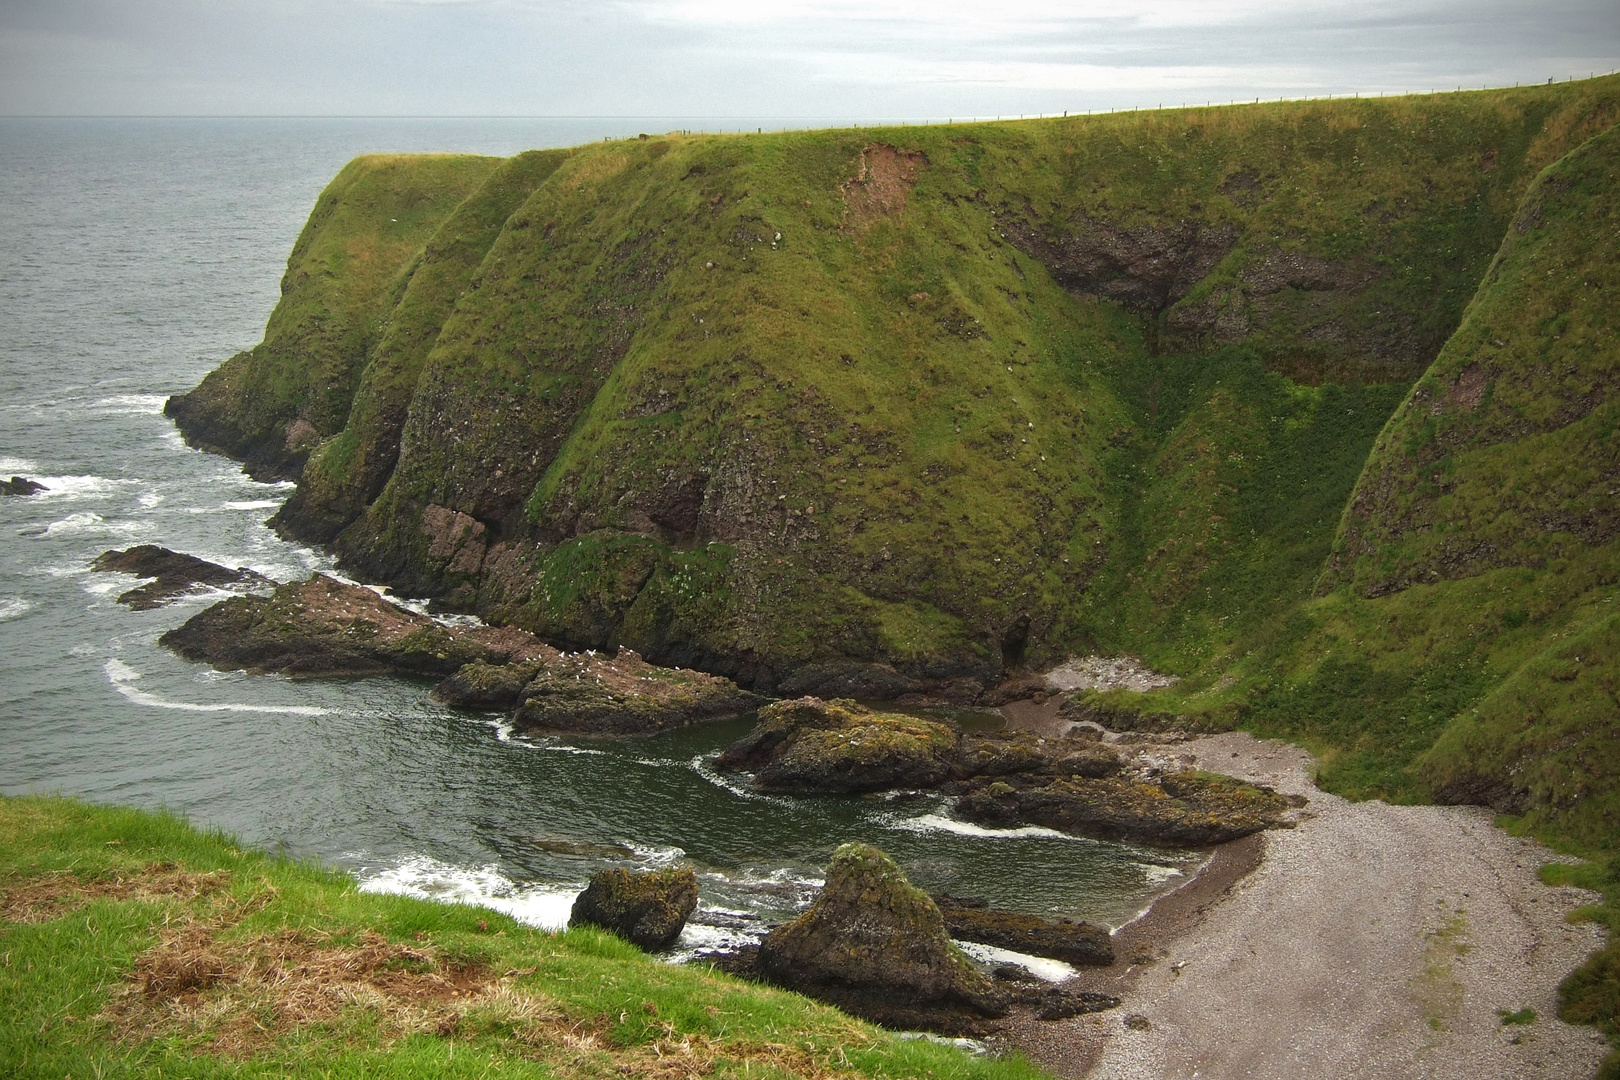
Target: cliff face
<point>872,412</point>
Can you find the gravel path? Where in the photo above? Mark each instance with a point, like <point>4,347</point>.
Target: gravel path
<point>1372,941</point>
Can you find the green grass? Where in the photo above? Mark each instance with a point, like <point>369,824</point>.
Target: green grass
<point>580,1003</point>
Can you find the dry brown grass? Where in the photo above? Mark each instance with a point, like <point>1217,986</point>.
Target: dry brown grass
<point>51,896</point>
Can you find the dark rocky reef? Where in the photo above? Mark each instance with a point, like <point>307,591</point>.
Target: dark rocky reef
<point>1079,943</point>
<point>1184,808</point>
<point>648,908</point>
<point>1077,785</point>
<point>877,947</point>
<point>322,627</point>
<point>21,485</point>
<point>173,574</point>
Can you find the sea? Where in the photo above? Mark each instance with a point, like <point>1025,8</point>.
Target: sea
<point>135,256</point>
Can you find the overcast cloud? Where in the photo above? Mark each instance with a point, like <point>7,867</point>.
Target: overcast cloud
<point>796,58</point>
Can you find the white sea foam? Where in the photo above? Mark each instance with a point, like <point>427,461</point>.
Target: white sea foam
<point>1054,971</point>
<point>88,524</point>
<point>544,906</point>
<point>11,465</point>
<point>1158,873</point>
<point>506,733</point>
<point>703,765</point>
<point>150,499</point>
<point>130,404</point>
<point>123,677</point>
<point>252,504</point>
<point>933,823</point>
<point>80,487</point>
<point>13,606</point>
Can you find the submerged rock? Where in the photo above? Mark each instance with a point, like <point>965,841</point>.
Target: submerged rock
<point>810,745</point>
<point>322,627</point>
<point>174,574</point>
<point>1079,943</point>
<point>1184,808</point>
<point>21,485</point>
<point>877,947</point>
<point>648,908</point>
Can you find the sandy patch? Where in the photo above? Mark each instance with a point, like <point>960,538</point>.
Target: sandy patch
<point>1370,941</point>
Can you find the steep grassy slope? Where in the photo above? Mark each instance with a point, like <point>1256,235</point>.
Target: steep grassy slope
<point>894,410</point>
<point>270,405</point>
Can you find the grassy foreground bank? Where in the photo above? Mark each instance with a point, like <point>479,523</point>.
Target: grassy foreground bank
<point>132,944</point>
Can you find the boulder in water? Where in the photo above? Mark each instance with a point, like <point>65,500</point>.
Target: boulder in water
<point>876,947</point>
<point>21,485</point>
<point>1073,942</point>
<point>174,574</point>
<point>810,745</point>
<point>648,908</point>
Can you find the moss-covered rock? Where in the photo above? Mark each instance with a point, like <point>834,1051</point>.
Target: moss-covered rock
<point>647,908</point>
<point>876,946</point>
<point>173,574</point>
<point>1184,808</point>
<point>810,745</point>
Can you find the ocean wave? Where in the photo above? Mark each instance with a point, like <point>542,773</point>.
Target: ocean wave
<point>1158,873</point>
<point>10,465</point>
<point>88,524</point>
<point>80,487</point>
<point>936,823</point>
<point>1053,971</point>
<point>122,677</point>
<point>149,499</point>
<point>252,504</point>
<point>13,606</point>
<point>543,906</point>
<point>131,404</point>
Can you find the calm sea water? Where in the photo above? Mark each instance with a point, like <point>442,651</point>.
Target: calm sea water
<point>134,257</point>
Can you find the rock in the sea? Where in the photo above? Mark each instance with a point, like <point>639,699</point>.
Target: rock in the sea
<point>323,627</point>
<point>174,574</point>
<point>810,745</point>
<point>623,695</point>
<point>648,908</point>
<point>875,946</point>
<point>1073,942</point>
<point>21,485</point>
<point>1184,808</point>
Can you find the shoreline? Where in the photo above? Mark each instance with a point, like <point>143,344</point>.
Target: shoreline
<point>1369,941</point>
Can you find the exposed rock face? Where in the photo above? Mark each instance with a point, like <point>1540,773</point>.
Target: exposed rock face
<point>624,696</point>
<point>877,947</point>
<point>1143,267</point>
<point>323,627</point>
<point>648,908</point>
<point>810,745</point>
<point>1003,779</point>
<point>1079,943</point>
<point>1184,808</point>
<point>21,485</point>
<point>174,574</point>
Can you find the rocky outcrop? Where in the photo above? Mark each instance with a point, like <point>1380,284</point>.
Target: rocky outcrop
<point>877,947</point>
<point>648,908</point>
<point>1184,808</point>
<point>21,485</point>
<point>323,627</point>
<point>1075,784</point>
<point>1073,942</point>
<point>1145,266</point>
<point>173,574</point>
<point>810,745</point>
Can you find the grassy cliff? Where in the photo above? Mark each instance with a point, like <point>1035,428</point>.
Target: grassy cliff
<point>1311,404</point>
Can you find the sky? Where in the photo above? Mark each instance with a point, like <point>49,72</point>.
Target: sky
<point>877,59</point>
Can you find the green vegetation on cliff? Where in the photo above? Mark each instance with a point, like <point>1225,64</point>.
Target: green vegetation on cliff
<point>136,946</point>
<point>1310,404</point>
